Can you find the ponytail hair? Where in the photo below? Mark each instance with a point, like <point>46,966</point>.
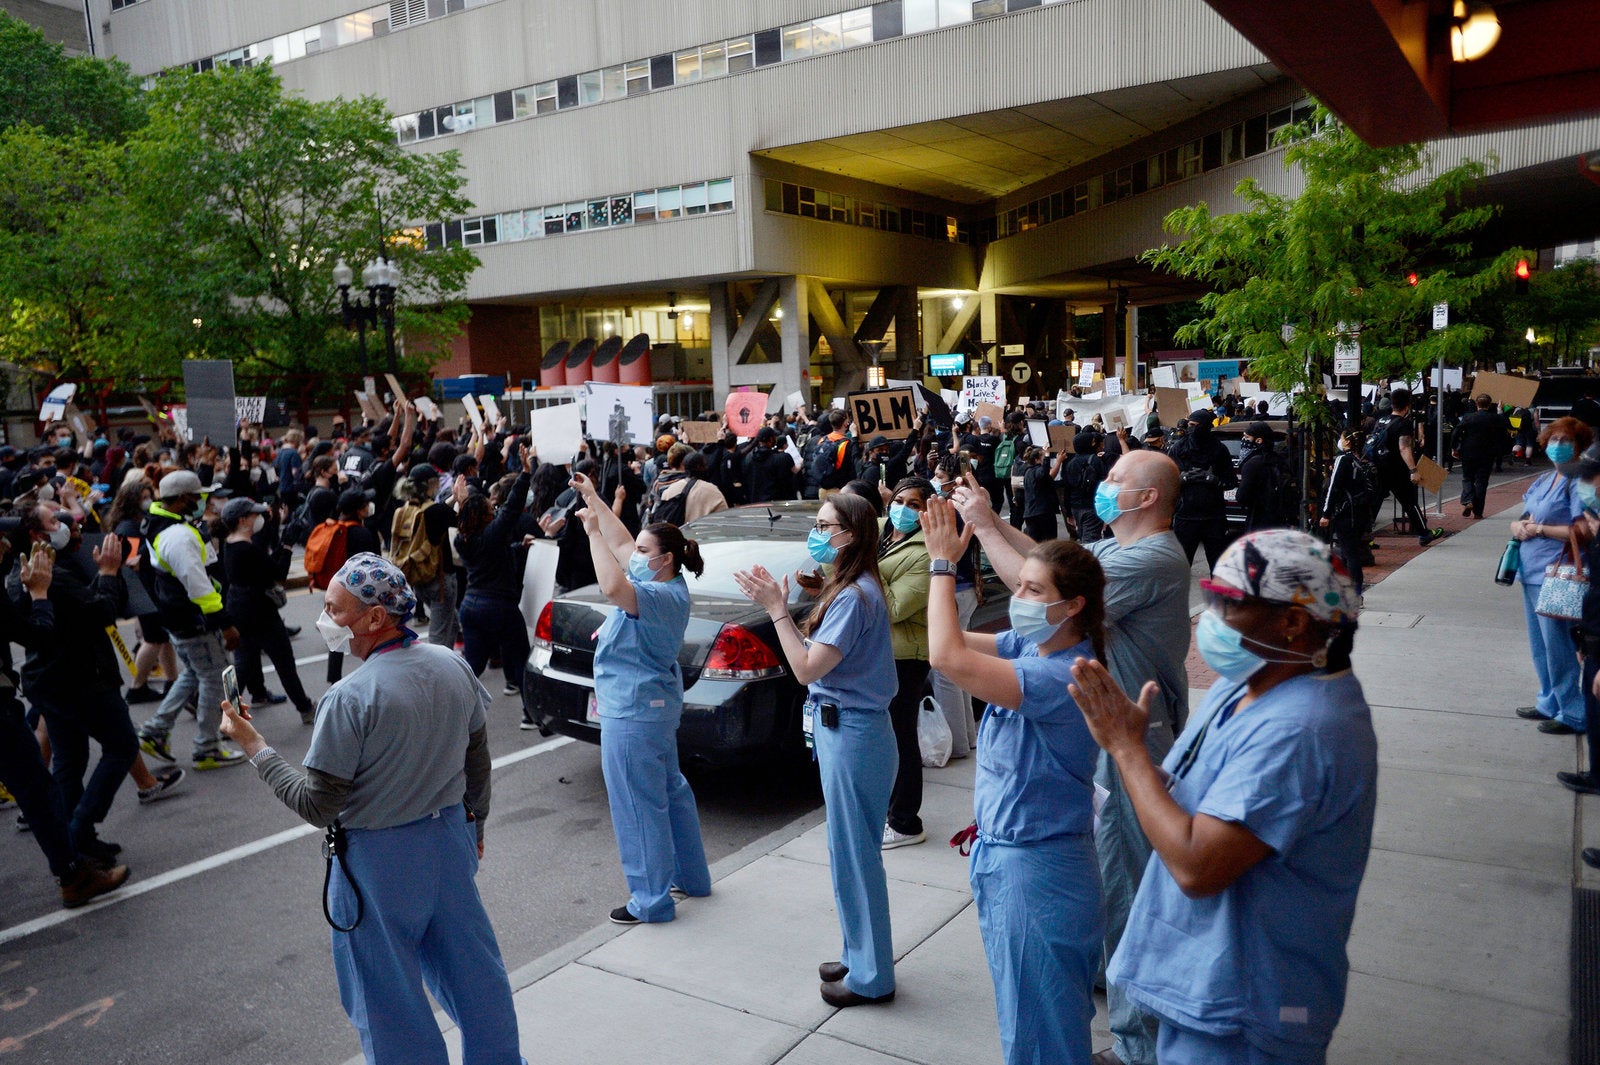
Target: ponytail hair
<point>1075,571</point>
<point>684,551</point>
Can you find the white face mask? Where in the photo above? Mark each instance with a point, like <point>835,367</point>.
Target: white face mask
<point>258,523</point>
<point>60,536</point>
<point>335,635</point>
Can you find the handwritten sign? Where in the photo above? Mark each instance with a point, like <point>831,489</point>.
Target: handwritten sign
<point>744,411</point>
<point>887,412</point>
<point>251,409</point>
<point>976,390</point>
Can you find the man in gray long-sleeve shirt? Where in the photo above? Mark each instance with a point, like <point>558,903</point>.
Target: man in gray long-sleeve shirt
<point>400,762</point>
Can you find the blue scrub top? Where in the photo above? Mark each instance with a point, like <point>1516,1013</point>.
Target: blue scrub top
<point>1550,500</point>
<point>636,672</point>
<point>1035,778</point>
<point>857,623</point>
<point>1264,957</point>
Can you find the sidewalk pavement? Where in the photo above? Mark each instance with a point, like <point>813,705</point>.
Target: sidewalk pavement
<point>1460,946</point>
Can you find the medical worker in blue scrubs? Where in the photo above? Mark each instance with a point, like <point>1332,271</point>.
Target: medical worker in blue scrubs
<point>1260,816</point>
<point>396,746</point>
<point>638,690</point>
<point>843,654</point>
<point>1034,874</point>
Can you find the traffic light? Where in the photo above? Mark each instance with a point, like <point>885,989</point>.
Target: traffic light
<point>1522,273</point>
<point>1412,279</point>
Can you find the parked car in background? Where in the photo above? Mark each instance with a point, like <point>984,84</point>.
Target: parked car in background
<point>741,705</point>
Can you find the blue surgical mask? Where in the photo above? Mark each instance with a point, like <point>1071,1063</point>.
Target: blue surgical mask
<point>1028,620</point>
<point>1561,451</point>
<point>639,569</point>
<point>1589,497</point>
<point>820,544</point>
<point>1106,501</point>
<point>903,518</point>
<point>1223,648</point>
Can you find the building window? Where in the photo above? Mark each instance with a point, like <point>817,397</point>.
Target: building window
<point>644,206</point>
<point>688,66</point>
<point>855,27</point>
<point>555,220</point>
<point>988,8</point>
<point>919,15</point>
<point>741,55</point>
<point>796,41</point>
<point>598,215</point>
<point>669,203</point>
<point>825,35</point>
<point>621,210</point>
<point>720,194</point>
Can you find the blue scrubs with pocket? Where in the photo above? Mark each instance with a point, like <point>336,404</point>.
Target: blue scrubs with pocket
<point>1551,500</point>
<point>858,761</point>
<point>638,689</point>
<point>1261,963</point>
<point>1034,874</point>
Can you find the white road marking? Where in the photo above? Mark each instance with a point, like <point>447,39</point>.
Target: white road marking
<point>227,857</point>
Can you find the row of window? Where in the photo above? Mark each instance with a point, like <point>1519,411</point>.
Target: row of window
<point>864,25</point>
<point>377,21</point>
<point>118,5</point>
<point>605,212</point>
<point>787,197</point>
<point>1238,142</point>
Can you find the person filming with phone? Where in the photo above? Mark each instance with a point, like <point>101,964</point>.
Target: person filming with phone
<point>399,767</point>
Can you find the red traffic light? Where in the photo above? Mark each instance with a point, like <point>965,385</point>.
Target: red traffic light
<point>1411,279</point>
<point>1522,272</point>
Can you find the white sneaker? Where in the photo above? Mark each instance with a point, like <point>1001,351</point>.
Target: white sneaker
<point>893,839</point>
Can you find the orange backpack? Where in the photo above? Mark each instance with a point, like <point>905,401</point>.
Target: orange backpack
<point>326,551</point>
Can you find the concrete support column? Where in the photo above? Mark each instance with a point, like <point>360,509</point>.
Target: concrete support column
<point>723,326</point>
<point>907,334</point>
<point>794,332</point>
<point>1108,337</point>
<point>1130,351</point>
<point>988,327</point>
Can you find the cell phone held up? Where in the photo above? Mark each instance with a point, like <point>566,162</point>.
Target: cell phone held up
<point>230,686</point>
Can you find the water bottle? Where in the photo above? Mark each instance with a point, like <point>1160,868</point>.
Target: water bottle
<point>1510,559</point>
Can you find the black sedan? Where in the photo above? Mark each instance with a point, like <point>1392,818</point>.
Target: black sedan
<point>741,704</point>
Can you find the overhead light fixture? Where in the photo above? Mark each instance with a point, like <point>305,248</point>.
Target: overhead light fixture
<point>955,303</point>
<point>1474,30</point>
<point>1529,337</point>
<point>688,319</point>
<point>876,377</point>
<point>672,306</point>
<point>1073,367</point>
<point>777,312</point>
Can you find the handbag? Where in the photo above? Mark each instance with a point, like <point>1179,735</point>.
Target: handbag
<point>277,596</point>
<point>1565,584</point>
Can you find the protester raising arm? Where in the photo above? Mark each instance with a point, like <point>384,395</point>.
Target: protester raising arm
<point>609,545</point>
<point>1005,546</point>
<point>950,650</point>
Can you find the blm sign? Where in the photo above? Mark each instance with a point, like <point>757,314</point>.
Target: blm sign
<point>888,412</point>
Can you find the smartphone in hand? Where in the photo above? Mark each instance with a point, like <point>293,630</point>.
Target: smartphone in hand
<point>230,686</point>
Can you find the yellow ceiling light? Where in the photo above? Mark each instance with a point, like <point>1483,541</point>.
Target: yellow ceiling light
<point>1474,30</point>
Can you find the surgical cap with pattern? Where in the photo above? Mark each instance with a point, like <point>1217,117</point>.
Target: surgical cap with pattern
<point>377,582</point>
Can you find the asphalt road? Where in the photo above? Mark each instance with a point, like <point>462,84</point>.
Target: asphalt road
<point>224,956</point>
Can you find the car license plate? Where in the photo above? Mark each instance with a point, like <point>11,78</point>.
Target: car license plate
<point>592,714</point>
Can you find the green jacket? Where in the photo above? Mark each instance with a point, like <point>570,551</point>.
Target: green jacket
<point>904,569</point>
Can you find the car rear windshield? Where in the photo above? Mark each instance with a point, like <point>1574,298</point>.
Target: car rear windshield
<point>722,559</point>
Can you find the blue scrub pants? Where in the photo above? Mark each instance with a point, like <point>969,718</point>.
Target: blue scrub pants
<point>1183,1046</point>
<point>1039,913</point>
<point>1123,852</point>
<point>858,761</point>
<point>424,925</point>
<point>1555,663</point>
<point>653,815</point>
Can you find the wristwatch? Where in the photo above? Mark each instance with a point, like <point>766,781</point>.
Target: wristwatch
<point>941,567</point>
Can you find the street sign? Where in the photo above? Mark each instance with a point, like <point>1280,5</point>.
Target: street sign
<point>1347,357</point>
<point>1441,315</point>
<point>1012,351</point>
<point>1021,372</point>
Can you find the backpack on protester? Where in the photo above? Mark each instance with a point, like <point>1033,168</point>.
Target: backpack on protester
<point>326,550</point>
<point>410,549</point>
<point>658,507</point>
<point>834,465</point>
<point>298,527</point>
<point>1377,447</point>
<point>1005,454</point>
<point>1366,485</point>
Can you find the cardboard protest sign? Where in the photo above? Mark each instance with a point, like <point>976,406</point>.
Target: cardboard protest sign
<point>889,412</point>
<point>150,410</point>
<point>395,389</point>
<point>976,390</point>
<point>55,404</point>
<point>622,414</point>
<point>994,413</point>
<point>1173,406</point>
<point>1114,418</point>
<point>555,432</point>
<point>1060,437</point>
<point>212,414</point>
<point>744,412</point>
<point>371,408</point>
<point>700,432</point>
<point>1505,389</point>
<point>1431,474</point>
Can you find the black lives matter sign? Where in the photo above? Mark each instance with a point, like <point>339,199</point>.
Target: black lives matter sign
<point>888,412</point>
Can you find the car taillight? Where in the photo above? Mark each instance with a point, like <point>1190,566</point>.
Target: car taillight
<point>543,631</point>
<point>737,654</point>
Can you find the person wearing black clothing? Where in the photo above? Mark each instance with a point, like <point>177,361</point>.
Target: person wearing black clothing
<point>1205,471</point>
<point>1400,444</point>
<point>491,622</point>
<point>321,496</point>
<point>1480,439</point>
<point>252,574</point>
<point>74,680</point>
<point>1079,478</point>
<point>725,462</point>
<point>981,446</point>
<point>439,594</point>
<point>358,457</point>
<point>768,470</point>
<point>354,504</point>
<point>1260,476</point>
<point>1343,515</point>
<point>1039,504</point>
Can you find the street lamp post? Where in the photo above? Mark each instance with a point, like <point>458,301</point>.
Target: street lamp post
<point>381,279</point>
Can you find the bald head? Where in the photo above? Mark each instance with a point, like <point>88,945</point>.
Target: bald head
<point>1152,469</point>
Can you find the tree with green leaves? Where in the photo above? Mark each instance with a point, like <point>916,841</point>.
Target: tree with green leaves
<point>1376,237</point>
<point>43,87</point>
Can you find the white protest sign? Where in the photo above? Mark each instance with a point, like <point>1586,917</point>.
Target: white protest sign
<point>793,401</point>
<point>1039,432</point>
<point>976,390</point>
<point>492,410</point>
<point>55,404</point>
<point>251,409</point>
<point>1452,378</point>
<point>474,415</point>
<point>1113,386</point>
<point>1086,376</point>
<point>555,432</point>
<point>1164,377</point>
<point>180,421</point>
<point>622,414</point>
<point>427,408</point>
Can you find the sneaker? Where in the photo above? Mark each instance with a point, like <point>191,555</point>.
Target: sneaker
<point>87,881</point>
<point>1432,535</point>
<point>893,839</point>
<point>678,894</point>
<point>7,800</point>
<point>142,694</point>
<point>157,747</point>
<point>308,717</point>
<point>22,824</point>
<point>623,915</point>
<point>270,699</point>
<point>219,758</point>
<point>527,724</point>
<point>511,689</point>
<point>166,780</point>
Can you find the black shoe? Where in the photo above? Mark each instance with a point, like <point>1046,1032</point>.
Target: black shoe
<point>1431,536</point>
<point>1582,783</point>
<point>97,850</point>
<point>1530,713</point>
<point>1591,857</point>
<point>623,915</point>
<point>269,699</point>
<point>1557,728</point>
<point>142,694</point>
<point>1466,512</point>
<point>834,993</point>
<point>833,971</point>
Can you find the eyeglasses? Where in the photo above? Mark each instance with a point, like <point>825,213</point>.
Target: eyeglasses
<point>824,526</point>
